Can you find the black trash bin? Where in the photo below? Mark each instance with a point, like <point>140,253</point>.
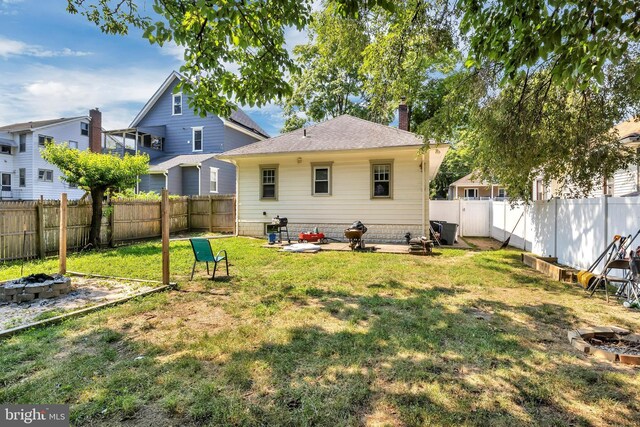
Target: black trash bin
<point>449,234</point>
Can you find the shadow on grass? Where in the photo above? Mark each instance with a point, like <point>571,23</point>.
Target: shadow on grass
<point>378,359</point>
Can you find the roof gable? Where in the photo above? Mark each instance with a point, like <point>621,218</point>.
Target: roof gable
<point>238,116</point>
<point>338,134</point>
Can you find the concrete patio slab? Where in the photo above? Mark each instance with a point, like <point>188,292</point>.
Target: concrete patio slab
<point>388,248</point>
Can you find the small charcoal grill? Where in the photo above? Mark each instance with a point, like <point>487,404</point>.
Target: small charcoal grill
<point>281,224</point>
<point>354,235</point>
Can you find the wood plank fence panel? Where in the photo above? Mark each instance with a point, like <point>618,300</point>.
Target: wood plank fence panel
<point>123,221</point>
<point>14,217</point>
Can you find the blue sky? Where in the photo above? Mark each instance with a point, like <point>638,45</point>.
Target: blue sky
<point>54,64</point>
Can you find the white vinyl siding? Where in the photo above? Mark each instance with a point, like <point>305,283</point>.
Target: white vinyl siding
<point>351,190</point>
<point>213,180</point>
<point>197,138</point>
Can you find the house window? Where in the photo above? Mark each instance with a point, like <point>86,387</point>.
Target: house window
<point>470,193</point>
<point>213,180</point>
<point>177,104</point>
<point>22,172</point>
<point>5,149</point>
<point>381,179</point>
<point>23,143</point>
<point>502,193</point>
<point>269,182</point>
<point>6,182</point>
<point>45,175</point>
<point>197,139</point>
<point>43,139</point>
<point>84,128</point>
<point>321,175</point>
<point>73,144</point>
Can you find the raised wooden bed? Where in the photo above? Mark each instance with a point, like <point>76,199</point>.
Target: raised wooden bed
<point>549,267</point>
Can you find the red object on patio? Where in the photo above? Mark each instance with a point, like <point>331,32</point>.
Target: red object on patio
<point>311,238</point>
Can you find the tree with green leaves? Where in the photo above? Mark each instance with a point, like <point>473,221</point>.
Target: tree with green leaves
<point>328,84</point>
<point>97,174</point>
<point>541,82</point>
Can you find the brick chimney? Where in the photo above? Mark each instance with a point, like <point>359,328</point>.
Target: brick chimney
<point>403,115</point>
<point>95,131</point>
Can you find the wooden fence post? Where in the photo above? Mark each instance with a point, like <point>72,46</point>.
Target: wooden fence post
<point>165,236</point>
<point>210,214</point>
<point>41,243</point>
<point>188,213</point>
<point>63,233</point>
<point>112,222</point>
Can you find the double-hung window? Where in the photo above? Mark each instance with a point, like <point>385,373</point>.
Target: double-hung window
<point>43,139</point>
<point>176,104</point>
<point>213,180</point>
<point>22,177</point>
<point>23,143</point>
<point>45,175</point>
<point>5,149</point>
<point>197,138</point>
<point>381,179</point>
<point>269,182</point>
<point>84,128</point>
<point>321,176</point>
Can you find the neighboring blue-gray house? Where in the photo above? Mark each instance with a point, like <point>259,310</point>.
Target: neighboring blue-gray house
<point>182,145</point>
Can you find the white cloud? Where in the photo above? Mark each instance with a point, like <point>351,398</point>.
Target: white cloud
<point>10,48</point>
<point>172,49</point>
<point>44,92</point>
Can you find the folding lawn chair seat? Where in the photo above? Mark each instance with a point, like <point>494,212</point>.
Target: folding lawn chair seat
<point>203,253</point>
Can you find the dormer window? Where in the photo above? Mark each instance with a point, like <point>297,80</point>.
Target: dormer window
<point>177,104</point>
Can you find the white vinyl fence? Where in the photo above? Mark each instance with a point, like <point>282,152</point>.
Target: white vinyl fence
<point>575,231</point>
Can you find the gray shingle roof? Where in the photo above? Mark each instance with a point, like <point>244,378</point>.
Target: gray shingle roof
<point>161,164</point>
<point>243,119</point>
<point>21,127</point>
<point>338,134</point>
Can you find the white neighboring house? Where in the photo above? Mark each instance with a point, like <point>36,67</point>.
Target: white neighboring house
<point>624,182</point>
<point>24,174</point>
<point>334,173</point>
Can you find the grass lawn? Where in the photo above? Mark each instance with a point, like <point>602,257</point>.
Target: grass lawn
<point>335,338</point>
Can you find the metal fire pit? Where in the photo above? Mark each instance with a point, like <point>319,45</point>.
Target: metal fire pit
<point>36,286</point>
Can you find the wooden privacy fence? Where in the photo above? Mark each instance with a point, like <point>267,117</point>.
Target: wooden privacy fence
<point>31,229</point>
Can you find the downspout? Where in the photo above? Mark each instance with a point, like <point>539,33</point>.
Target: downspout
<point>199,166</point>
<point>166,179</point>
<point>237,233</point>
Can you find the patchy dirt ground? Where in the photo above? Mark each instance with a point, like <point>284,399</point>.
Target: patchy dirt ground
<point>86,292</point>
<point>483,243</point>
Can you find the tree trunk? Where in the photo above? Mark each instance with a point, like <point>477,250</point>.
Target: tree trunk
<point>97,196</point>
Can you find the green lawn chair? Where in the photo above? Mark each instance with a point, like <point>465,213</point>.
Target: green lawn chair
<point>203,253</point>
